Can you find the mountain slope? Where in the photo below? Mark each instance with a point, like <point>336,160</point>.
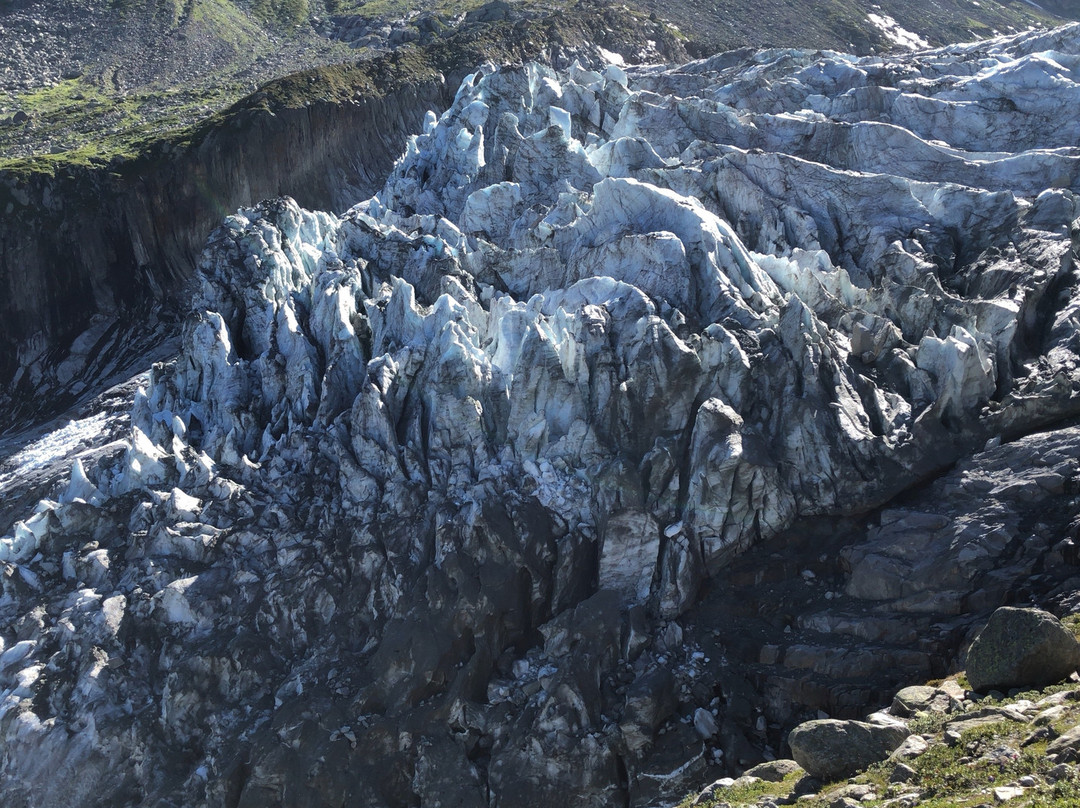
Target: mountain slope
<point>851,26</point>
<point>80,71</point>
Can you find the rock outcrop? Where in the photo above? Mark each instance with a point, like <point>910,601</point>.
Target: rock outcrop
<point>415,512</point>
<point>980,747</point>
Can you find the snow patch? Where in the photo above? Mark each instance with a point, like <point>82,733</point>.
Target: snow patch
<point>894,32</point>
<point>611,57</point>
<point>57,444</point>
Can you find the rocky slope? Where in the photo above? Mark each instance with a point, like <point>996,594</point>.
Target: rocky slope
<point>424,510</point>
<point>943,744</point>
<point>851,26</point>
<point>963,749</point>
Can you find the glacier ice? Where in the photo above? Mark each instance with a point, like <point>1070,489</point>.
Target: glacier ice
<point>599,333</point>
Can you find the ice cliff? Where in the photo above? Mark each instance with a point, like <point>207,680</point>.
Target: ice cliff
<point>413,515</point>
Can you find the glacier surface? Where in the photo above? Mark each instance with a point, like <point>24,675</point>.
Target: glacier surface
<point>429,476</point>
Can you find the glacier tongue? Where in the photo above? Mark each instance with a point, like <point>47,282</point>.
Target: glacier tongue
<point>599,333</point>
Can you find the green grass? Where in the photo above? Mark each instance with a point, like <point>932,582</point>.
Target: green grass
<point>961,775</point>
<point>1062,794</point>
<point>747,794</point>
<point>929,722</point>
<point>1072,623</point>
<point>287,13</point>
<point>89,126</point>
<point>947,772</point>
<point>399,8</point>
<point>227,21</point>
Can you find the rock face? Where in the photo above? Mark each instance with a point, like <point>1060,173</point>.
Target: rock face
<point>1066,747</point>
<point>414,514</point>
<point>1021,648</point>
<point>831,749</point>
<point>94,261</point>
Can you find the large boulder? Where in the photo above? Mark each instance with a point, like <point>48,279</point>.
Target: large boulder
<point>831,749</point>
<point>921,699</point>
<point>1067,747</point>
<point>773,771</point>
<point>1021,648</point>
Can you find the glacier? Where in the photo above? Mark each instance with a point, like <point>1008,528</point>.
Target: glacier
<point>414,515</point>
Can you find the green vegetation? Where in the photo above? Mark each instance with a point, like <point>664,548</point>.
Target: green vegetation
<point>951,774</point>
<point>927,723</point>
<point>87,125</point>
<point>983,757</point>
<point>287,13</point>
<point>400,8</point>
<point>748,794</point>
<point>1072,623</point>
<point>226,21</point>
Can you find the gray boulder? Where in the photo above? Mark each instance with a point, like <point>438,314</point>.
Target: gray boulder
<point>921,699</point>
<point>773,771</point>
<point>831,749</point>
<point>1067,747</point>
<point>1021,648</point>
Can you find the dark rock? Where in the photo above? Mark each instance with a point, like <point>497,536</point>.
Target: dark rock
<point>649,702</point>
<point>1041,734</point>
<point>984,716</point>
<point>902,774</point>
<point>806,785</point>
<point>1067,747</point>
<point>1021,648</point>
<point>490,12</point>
<point>1061,771</point>
<point>832,749</point>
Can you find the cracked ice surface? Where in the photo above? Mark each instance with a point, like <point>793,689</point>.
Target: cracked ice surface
<point>600,330</point>
<point>56,444</point>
